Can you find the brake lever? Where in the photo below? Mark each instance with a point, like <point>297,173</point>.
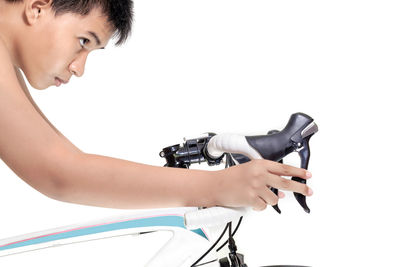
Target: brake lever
<point>304,154</point>
<point>293,138</point>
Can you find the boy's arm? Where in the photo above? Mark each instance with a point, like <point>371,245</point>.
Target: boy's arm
<point>56,168</point>
<point>115,183</point>
<point>28,95</point>
<point>26,139</point>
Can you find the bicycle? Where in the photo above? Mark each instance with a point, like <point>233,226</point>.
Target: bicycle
<point>189,225</point>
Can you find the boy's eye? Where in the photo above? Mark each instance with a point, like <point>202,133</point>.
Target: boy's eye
<point>83,41</point>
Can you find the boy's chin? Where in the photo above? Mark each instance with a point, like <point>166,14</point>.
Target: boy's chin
<point>38,85</point>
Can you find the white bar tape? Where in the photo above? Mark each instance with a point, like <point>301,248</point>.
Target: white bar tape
<point>212,216</point>
<point>231,143</point>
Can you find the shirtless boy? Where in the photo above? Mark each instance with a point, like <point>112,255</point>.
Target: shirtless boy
<point>49,41</point>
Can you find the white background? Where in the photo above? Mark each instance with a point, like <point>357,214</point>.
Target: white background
<point>243,67</point>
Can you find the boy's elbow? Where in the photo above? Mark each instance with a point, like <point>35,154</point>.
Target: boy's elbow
<point>51,187</point>
<point>54,177</point>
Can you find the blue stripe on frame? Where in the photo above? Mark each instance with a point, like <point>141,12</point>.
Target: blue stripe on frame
<point>176,221</point>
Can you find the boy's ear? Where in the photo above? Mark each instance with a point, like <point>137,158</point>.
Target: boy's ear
<point>34,9</point>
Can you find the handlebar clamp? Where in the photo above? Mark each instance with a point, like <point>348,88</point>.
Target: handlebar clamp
<point>191,151</point>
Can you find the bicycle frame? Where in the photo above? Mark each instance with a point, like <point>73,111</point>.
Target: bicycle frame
<point>171,254</point>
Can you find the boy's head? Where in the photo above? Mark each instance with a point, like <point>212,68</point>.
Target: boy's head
<point>51,39</point>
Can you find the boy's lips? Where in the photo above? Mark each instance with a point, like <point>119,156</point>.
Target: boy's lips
<point>60,81</point>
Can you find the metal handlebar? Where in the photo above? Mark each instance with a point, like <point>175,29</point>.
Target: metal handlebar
<point>274,146</point>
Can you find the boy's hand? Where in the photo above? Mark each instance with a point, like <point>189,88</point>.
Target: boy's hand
<point>248,184</point>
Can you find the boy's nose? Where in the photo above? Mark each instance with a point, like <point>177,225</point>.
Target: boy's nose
<point>77,67</point>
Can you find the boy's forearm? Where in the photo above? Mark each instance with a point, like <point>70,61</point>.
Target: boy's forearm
<point>115,183</point>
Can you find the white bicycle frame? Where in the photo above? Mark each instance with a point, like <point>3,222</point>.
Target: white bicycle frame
<point>192,228</point>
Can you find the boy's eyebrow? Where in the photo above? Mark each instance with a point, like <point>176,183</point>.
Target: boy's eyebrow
<point>94,35</point>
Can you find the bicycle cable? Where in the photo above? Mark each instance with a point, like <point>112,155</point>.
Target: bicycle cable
<point>234,232</point>
<point>208,251</point>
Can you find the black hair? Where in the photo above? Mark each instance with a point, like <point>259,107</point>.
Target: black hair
<point>118,12</point>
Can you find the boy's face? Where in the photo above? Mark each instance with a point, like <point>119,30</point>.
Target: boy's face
<point>55,48</point>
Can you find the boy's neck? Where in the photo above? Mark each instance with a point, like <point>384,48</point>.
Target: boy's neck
<point>10,28</point>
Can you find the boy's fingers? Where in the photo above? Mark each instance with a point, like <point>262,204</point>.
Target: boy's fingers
<point>287,170</point>
<point>280,193</point>
<point>268,196</point>
<point>259,204</point>
<point>289,185</point>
